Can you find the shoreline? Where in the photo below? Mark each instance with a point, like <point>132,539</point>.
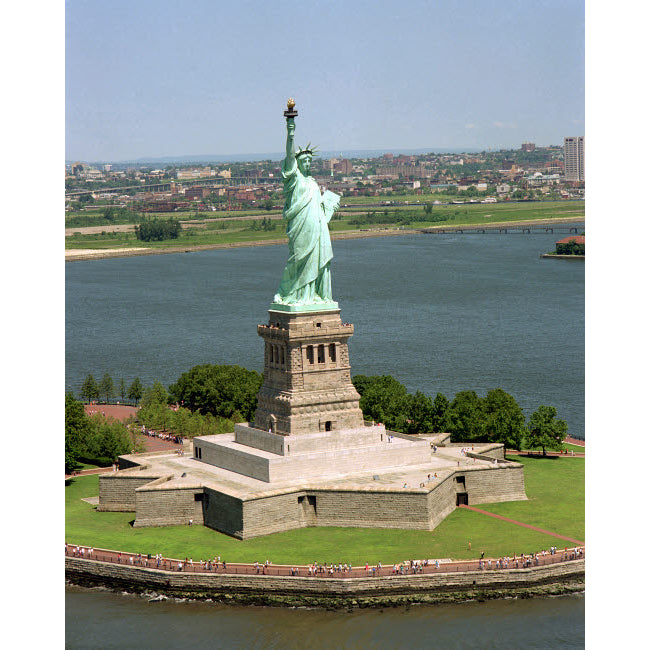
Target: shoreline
<point>561,257</point>
<point>563,578</point>
<point>78,255</point>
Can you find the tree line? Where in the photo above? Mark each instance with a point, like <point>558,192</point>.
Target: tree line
<point>400,217</point>
<point>93,438</point>
<point>207,399</point>
<point>468,418</point>
<point>265,225</point>
<point>155,414</point>
<point>106,389</point>
<point>211,398</point>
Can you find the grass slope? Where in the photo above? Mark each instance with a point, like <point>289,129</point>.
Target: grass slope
<point>220,231</point>
<point>556,503</point>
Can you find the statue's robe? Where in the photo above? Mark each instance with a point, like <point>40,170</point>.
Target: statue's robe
<point>306,278</point>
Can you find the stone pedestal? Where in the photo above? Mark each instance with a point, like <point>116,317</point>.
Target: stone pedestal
<point>307,387</point>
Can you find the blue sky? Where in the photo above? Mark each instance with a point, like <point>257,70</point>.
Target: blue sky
<point>157,78</point>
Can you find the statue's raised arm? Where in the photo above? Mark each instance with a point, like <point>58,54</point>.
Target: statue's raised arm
<point>290,114</point>
<point>291,152</point>
<point>306,282</point>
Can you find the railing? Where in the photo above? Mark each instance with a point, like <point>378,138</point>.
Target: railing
<point>325,571</point>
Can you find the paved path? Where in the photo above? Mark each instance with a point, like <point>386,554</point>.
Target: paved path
<point>158,444</point>
<point>519,523</point>
<point>549,454</point>
<point>86,472</point>
<point>119,412</point>
<point>324,572</point>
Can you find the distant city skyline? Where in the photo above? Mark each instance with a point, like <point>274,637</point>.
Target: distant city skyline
<point>279,155</point>
<point>150,80</point>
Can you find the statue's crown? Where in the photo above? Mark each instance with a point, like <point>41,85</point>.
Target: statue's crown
<point>307,151</point>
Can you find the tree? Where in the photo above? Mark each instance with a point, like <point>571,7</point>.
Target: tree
<point>439,418</point>
<point>107,439</point>
<point>219,390</point>
<point>156,415</point>
<point>76,431</point>
<point>383,399</point>
<point>122,388</point>
<point>421,413</point>
<point>181,422</point>
<point>107,387</point>
<point>570,248</point>
<point>158,229</point>
<point>135,390</point>
<point>362,382</point>
<point>466,421</point>
<point>89,389</point>
<point>505,421</point>
<point>95,438</point>
<point>545,429</point>
<point>155,395</point>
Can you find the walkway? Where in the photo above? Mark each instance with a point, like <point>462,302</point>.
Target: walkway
<point>519,523</point>
<point>86,472</point>
<point>549,454</point>
<point>119,412</point>
<point>324,571</point>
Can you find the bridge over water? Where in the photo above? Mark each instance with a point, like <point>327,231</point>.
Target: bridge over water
<point>505,229</point>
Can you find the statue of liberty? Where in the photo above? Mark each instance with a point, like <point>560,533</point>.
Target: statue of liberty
<point>306,280</point>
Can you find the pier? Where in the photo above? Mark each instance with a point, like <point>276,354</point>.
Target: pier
<point>503,229</point>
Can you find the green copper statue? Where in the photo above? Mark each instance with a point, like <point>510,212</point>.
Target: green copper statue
<point>306,281</point>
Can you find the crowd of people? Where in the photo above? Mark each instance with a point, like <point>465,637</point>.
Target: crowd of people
<point>324,570</point>
<point>524,561</point>
<point>163,436</point>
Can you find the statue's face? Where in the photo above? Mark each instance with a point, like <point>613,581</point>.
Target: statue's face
<point>304,165</point>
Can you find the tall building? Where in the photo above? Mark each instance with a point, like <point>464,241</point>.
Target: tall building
<point>574,158</point>
<point>342,166</point>
<point>528,146</point>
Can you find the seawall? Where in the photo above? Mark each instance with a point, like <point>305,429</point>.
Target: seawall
<point>333,592</point>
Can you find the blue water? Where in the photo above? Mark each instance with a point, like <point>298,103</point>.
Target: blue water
<point>441,313</point>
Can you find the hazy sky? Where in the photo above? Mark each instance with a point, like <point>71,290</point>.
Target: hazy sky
<point>159,78</point>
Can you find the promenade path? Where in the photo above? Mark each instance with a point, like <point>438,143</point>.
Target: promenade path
<point>119,412</point>
<point>549,454</point>
<point>574,441</point>
<point>324,571</point>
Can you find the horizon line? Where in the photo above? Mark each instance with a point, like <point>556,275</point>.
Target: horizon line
<point>253,156</point>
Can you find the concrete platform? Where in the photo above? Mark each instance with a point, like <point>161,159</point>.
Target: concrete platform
<point>167,489</point>
<point>273,458</point>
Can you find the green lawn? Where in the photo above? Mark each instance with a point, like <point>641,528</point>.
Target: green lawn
<point>577,448</point>
<point>556,502</point>
<point>219,231</point>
